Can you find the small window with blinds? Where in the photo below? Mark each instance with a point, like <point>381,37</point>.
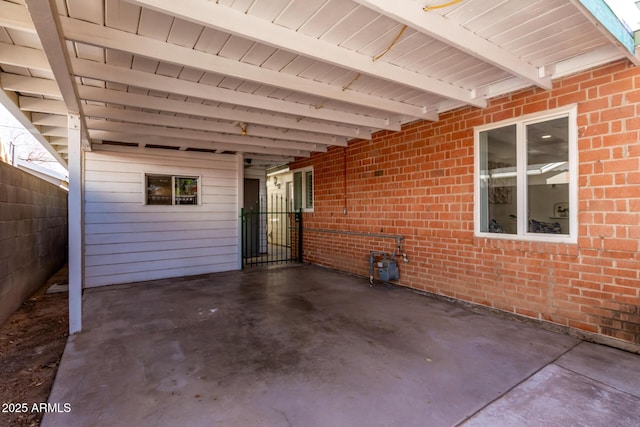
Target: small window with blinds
<point>303,189</point>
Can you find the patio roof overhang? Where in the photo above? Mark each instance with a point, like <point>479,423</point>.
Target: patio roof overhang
<point>278,79</point>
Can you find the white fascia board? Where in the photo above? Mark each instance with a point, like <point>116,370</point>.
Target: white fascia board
<point>603,18</point>
<point>604,55</point>
<point>588,60</point>
<point>41,172</point>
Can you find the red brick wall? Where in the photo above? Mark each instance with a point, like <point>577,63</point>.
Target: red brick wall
<point>419,183</point>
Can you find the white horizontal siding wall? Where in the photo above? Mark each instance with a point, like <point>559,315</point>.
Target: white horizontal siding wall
<point>128,241</point>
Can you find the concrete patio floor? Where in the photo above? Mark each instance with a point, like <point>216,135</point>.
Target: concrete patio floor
<point>304,346</point>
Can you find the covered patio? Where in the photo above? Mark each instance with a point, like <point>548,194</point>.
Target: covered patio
<point>306,346</point>
<point>418,122</point>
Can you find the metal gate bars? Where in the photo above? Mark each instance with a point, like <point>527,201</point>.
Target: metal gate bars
<point>271,233</point>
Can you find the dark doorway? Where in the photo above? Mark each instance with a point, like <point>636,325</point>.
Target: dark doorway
<point>251,223</point>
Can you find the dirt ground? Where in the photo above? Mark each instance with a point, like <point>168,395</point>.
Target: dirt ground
<point>31,344</point>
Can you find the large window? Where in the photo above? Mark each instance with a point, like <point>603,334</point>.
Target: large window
<point>303,189</point>
<point>526,177</point>
<point>171,190</point>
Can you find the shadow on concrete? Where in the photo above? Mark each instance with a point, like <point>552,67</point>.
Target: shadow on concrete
<point>304,346</point>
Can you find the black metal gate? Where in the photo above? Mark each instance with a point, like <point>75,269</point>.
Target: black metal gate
<point>271,233</point>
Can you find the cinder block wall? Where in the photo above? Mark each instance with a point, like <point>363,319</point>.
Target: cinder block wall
<point>33,235</point>
<point>419,183</point>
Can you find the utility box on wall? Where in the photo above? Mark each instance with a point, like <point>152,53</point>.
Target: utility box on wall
<point>387,270</point>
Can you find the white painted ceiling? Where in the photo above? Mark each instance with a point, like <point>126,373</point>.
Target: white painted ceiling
<point>276,79</point>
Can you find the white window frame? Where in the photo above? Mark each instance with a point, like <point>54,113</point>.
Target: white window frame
<point>173,185</point>
<point>571,112</point>
<point>303,202</point>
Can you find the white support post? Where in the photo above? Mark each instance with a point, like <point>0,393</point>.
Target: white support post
<point>76,239</point>
<point>240,178</point>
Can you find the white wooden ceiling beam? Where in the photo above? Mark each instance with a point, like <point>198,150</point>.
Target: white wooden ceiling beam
<point>20,56</point>
<point>208,125</point>
<point>11,102</point>
<point>50,106</point>
<point>64,149</point>
<point>105,72</point>
<point>49,119</point>
<point>59,141</point>
<point>193,109</point>
<point>16,17</point>
<point>132,128</point>
<point>98,35</point>
<point>58,132</point>
<point>437,26</point>
<point>265,158</point>
<point>226,19</point>
<point>30,85</point>
<point>45,18</point>
<point>144,140</point>
<point>594,58</point>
